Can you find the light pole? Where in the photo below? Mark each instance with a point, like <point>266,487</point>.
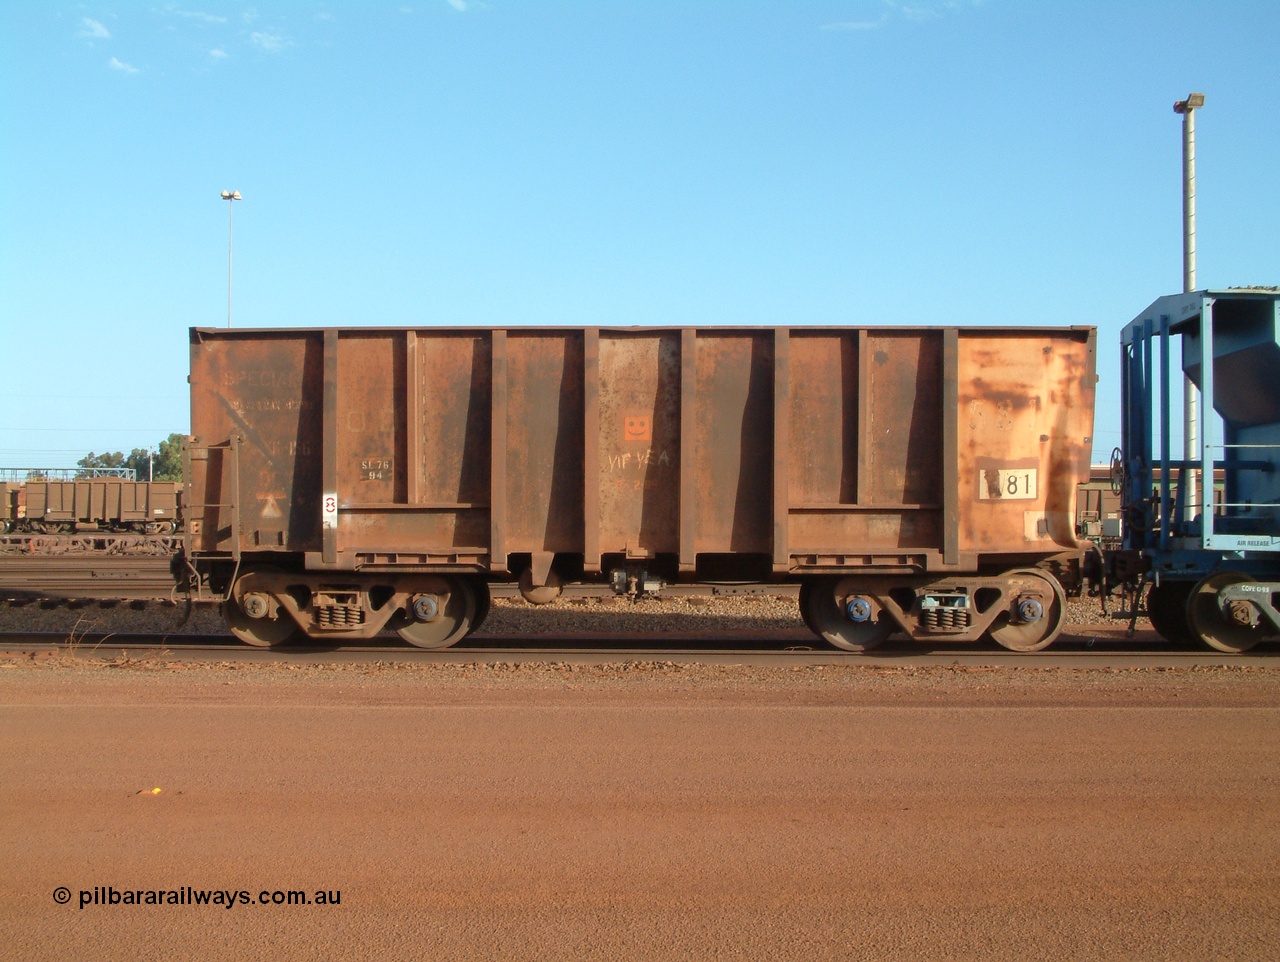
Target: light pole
<point>1187,108</point>
<point>231,196</point>
<point>1190,396</point>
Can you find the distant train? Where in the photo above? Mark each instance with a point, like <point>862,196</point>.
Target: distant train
<point>91,504</point>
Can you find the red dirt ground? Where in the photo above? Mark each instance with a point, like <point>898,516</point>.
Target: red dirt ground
<point>661,812</point>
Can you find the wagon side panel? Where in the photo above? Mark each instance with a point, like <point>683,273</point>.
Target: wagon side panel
<point>733,444</point>
<point>638,478</point>
<point>256,420</point>
<point>865,467</point>
<point>543,456</point>
<point>1025,437</point>
<point>369,437</point>
<point>449,412</point>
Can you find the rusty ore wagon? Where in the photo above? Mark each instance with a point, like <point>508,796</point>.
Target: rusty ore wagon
<point>93,504</point>
<point>913,480</point>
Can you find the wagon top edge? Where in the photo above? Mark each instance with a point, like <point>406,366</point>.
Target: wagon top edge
<point>199,334</point>
<point>1180,308</point>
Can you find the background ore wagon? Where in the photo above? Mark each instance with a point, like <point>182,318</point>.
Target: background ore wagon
<point>109,504</point>
<point>11,505</point>
<point>917,480</point>
<point>107,539</point>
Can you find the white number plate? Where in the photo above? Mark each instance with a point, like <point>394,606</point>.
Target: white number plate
<point>1008,484</point>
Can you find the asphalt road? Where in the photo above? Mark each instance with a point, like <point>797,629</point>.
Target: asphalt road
<point>703,812</point>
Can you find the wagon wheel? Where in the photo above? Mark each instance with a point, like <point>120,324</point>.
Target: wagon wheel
<point>483,603</point>
<point>1038,634</point>
<point>259,632</point>
<point>806,590</point>
<point>824,614</point>
<point>1117,471</point>
<point>1211,624</point>
<point>450,624</point>
<point>1167,611</point>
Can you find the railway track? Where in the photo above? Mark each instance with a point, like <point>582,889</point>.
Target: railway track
<point>791,649</point>
<point>116,567</point>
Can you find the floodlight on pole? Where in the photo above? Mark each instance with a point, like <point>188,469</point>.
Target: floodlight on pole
<point>1190,395</point>
<point>231,196</point>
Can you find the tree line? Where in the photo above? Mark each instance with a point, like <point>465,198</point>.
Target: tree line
<point>161,463</point>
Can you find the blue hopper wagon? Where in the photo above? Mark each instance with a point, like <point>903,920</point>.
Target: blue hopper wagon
<point>1213,564</point>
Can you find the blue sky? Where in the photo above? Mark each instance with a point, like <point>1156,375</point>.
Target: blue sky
<point>518,162</point>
